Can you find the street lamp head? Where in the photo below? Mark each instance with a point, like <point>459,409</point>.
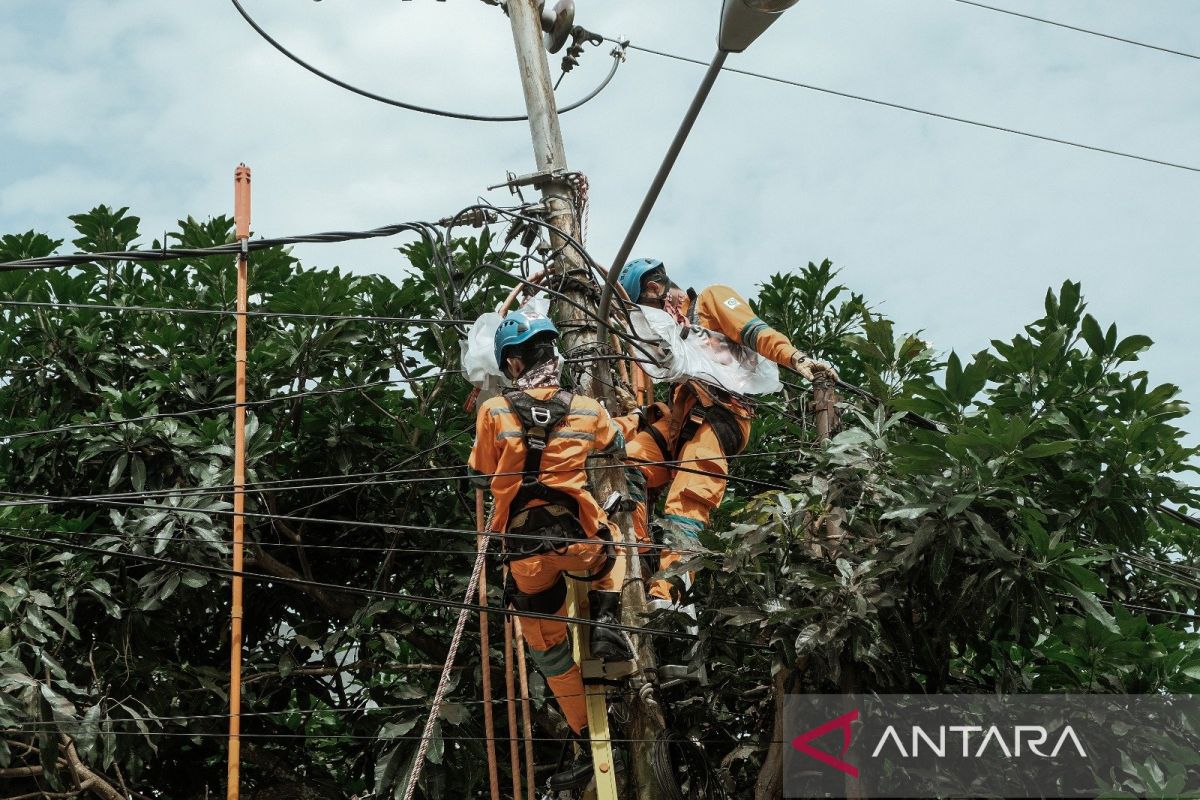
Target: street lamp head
<point>743,21</point>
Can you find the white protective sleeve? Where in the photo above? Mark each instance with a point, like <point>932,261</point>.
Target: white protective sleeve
<point>685,352</point>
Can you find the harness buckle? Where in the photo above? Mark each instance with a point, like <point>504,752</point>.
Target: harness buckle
<point>540,414</point>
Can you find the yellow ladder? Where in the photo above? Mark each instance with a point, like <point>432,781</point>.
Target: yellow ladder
<point>605,784</point>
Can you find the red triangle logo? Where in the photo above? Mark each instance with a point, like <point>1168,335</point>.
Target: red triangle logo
<point>801,743</point>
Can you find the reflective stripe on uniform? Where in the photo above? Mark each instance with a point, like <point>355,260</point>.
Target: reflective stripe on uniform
<point>581,435</point>
<point>554,661</point>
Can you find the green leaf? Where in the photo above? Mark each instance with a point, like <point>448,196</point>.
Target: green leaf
<point>137,473</point>
<point>118,470</point>
<point>1093,335</point>
<point>909,512</point>
<point>958,503</point>
<point>1131,346</point>
<point>64,709</point>
<point>85,736</point>
<point>394,729</point>
<point>1093,607</point>
<point>63,621</point>
<point>1045,449</point>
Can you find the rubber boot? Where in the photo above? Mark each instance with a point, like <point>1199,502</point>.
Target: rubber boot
<point>608,644</point>
<point>578,770</point>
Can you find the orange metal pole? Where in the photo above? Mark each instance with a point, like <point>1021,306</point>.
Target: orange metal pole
<point>526,713</point>
<point>486,653</point>
<point>241,214</point>
<point>510,689</point>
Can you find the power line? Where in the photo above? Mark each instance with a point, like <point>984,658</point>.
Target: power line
<point>230,249</point>
<point>216,491</point>
<point>423,475</point>
<point>226,406</point>
<point>914,110</point>
<point>46,724</point>
<point>1080,30</point>
<point>375,738</point>
<point>437,602</point>
<point>31,499</point>
<point>229,313</point>
<point>617,55</point>
<point>39,499</point>
<point>294,545</point>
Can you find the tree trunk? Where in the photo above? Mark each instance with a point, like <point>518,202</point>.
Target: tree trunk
<point>769,785</point>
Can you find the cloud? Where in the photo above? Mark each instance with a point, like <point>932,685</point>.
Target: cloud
<point>955,229</point>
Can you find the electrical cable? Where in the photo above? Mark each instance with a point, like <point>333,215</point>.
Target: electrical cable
<point>36,725</point>
<point>1080,30</point>
<point>617,59</point>
<point>38,499</point>
<point>363,738</point>
<point>228,542</point>
<point>226,406</point>
<point>914,110</point>
<point>335,481</point>
<point>223,313</point>
<point>229,249</point>
<point>670,749</point>
<point>436,602</point>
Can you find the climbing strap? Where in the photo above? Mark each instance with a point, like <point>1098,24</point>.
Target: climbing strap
<point>538,420</point>
<point>724,425</point>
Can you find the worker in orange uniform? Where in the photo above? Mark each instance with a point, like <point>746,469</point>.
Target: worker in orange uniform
<point>531,449</point>
<point>703,424</point>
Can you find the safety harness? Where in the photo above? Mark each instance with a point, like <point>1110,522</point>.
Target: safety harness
<point>557,519</point>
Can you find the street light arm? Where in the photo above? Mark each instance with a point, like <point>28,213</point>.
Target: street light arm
<point>660,178</point>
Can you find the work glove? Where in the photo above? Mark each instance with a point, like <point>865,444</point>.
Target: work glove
<point>813,370</point>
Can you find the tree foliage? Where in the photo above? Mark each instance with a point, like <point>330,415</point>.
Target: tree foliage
<point>1014,545</point>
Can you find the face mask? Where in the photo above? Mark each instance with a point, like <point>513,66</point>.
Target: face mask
<point>548,373</point>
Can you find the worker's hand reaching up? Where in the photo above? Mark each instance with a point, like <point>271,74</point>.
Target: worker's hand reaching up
<point>813,370</point>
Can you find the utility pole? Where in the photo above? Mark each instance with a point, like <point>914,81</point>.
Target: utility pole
<point>646,719</point>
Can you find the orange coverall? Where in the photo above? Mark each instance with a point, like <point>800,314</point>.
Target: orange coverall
<point>496,463</point>
<point>691,497</point>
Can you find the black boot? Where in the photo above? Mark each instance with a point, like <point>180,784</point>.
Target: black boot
<point>578,770</point>
<point>608,644</point>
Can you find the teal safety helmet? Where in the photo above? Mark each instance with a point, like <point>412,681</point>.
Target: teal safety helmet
<point>517,328</point>
<point>631,274</point>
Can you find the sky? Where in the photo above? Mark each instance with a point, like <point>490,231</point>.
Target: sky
<point>946,228</point>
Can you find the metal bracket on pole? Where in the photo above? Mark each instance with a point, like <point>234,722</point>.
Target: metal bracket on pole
<point>535,179</point>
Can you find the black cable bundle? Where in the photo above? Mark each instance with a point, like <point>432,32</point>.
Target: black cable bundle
<point>671,752</point>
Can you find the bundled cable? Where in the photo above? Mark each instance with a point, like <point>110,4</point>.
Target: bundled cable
<point>671,755</point>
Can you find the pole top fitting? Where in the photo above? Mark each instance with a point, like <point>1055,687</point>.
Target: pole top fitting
<point>241,202</point>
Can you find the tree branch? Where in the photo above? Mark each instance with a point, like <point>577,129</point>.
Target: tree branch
<point>88,779</point>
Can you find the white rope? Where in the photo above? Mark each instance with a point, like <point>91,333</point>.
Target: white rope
<point>419,762</point>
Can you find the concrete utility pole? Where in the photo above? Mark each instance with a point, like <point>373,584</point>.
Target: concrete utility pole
<point>646,718</point>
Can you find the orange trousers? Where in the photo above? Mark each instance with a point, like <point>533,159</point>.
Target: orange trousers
<point>549,645</point>
<point>696,485</point>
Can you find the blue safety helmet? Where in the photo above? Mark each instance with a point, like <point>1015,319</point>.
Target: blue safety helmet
<point>517,328</point>
<point>631,274</point>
